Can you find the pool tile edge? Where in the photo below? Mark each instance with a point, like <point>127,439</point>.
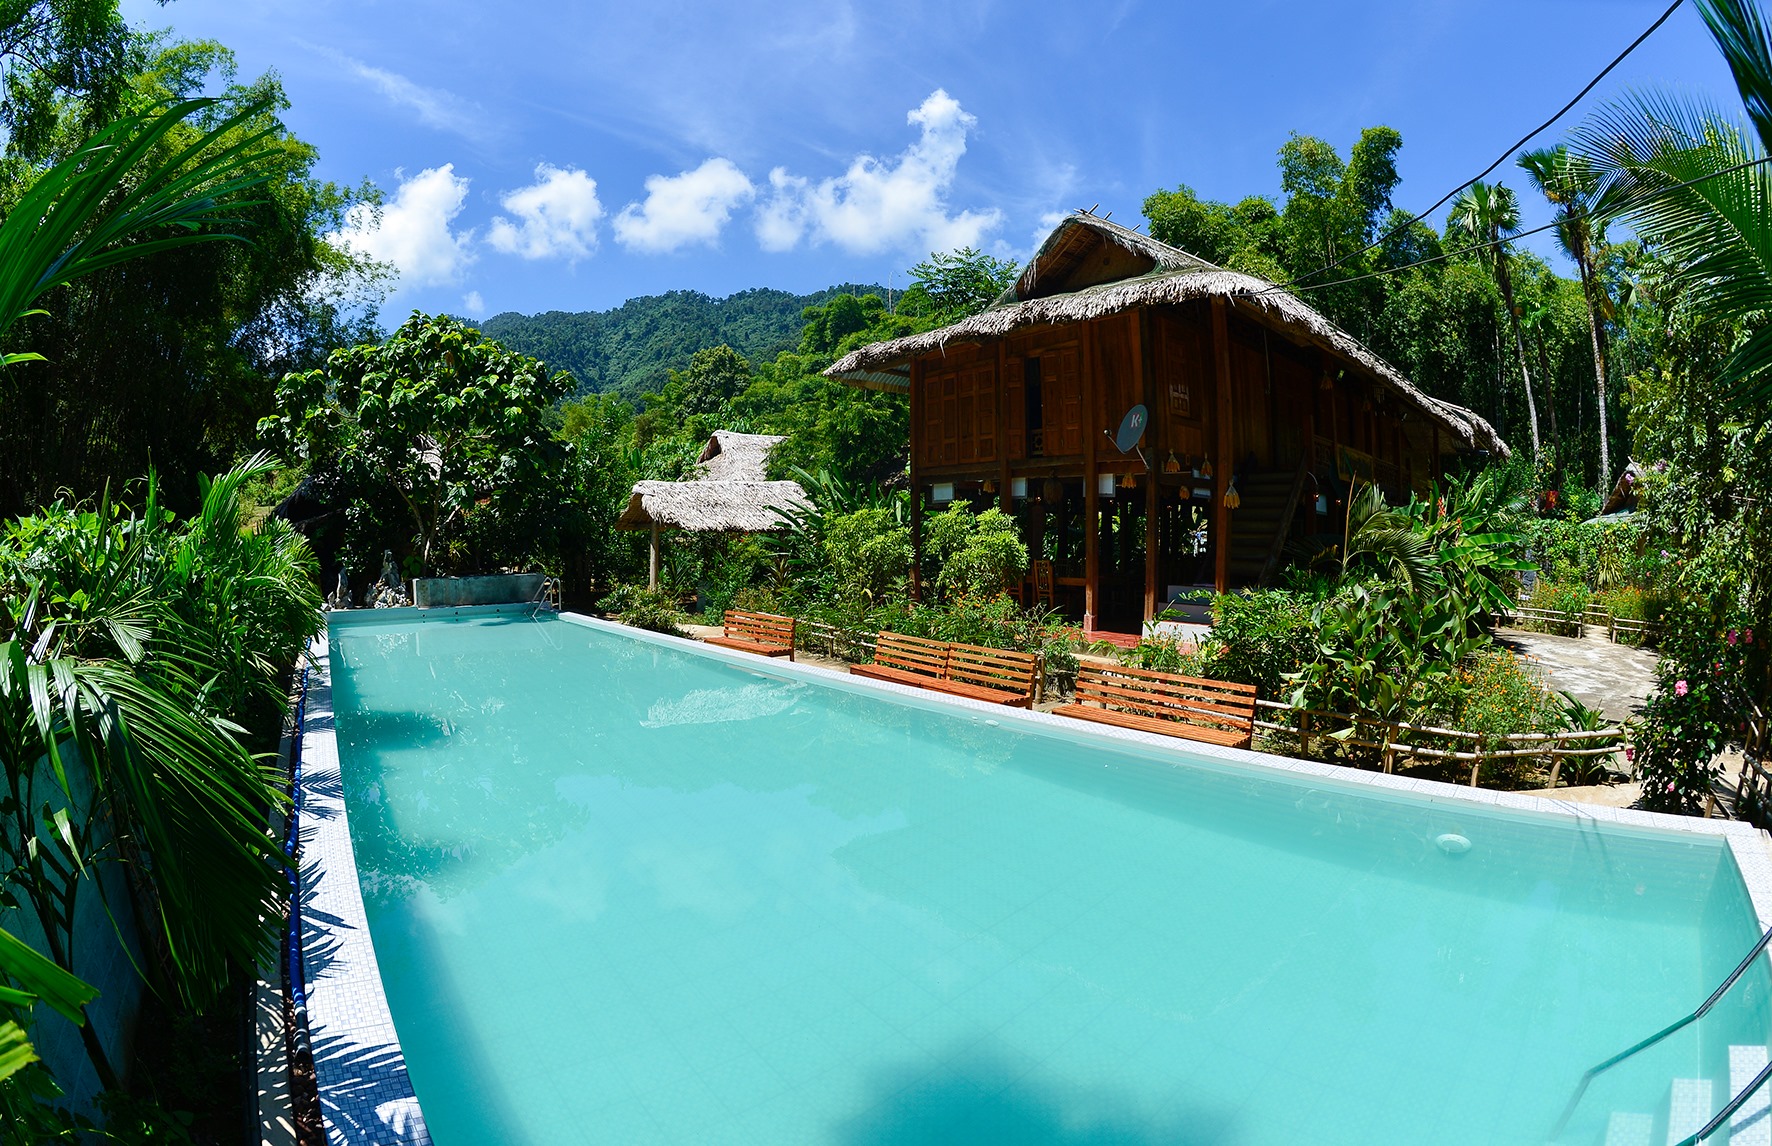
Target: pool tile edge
<point>366,1096</point>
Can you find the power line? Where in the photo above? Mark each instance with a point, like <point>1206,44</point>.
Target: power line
<point>1505,156</point>
<point>1444,255</point>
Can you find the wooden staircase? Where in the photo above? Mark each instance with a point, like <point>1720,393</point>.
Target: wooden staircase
<point>1259,527</point>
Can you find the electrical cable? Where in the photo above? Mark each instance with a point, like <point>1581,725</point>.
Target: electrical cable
<point>1444,255</point>
<point>1505,156</point>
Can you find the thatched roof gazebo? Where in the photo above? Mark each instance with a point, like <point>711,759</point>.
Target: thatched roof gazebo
<point>732,495</point>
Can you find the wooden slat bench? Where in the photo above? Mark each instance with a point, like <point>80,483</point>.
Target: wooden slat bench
<point>762,633</point>
<point>1214,711</point>
<point>994,675</point>
<point>906,660</point>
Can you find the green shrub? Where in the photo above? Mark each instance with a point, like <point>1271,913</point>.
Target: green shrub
<point>1258,637</point>
<point>1503,694</point>
<point>1167,655</point>
<point>643,608</point>
<point>990,558</point>
<point>1560,596</point>
<point>1630,604</point>
<point>870,554</point>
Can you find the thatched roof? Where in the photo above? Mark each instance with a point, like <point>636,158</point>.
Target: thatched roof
<point>737,457</point>
<point>1090,268</point>
<point>711,506</point>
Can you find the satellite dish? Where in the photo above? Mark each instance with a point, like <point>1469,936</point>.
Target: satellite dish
<point>1132,428</point>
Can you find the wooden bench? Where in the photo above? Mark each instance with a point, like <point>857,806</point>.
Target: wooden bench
<point>1214,711</point>
<point>762,633</point>
<point>994,675</point>
<point>906,660</point>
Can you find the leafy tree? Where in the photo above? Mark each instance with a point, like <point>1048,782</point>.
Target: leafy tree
<point>172,360</point>
<point>1489,216</point>
<point>439,421</point>
<point>1570,186</point>
<point>870,554</point>
<point>713,377</point>
<point>948,286</point>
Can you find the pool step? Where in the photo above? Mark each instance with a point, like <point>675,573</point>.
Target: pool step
<point>1689,1108</point>
<point>1630,1129</point>
<point>1752,1124</point>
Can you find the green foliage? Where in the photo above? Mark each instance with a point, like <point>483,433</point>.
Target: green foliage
<point>436,437</point>
<point>1705,685</point>
<point>1560,596</point>
<point>1259,637</point>
<point>973,554</point>
<point>1164,654</point>
<point>166,645</point>
<point>631,349</point>
<point>870,554</point>
<point>1503,694</point>
<point>643,608</point>
<point>950,285</point>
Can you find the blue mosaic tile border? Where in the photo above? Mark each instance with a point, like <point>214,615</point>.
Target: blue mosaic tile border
<point>366,1096</point>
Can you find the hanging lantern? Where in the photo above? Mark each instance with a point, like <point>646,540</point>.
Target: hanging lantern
<point>1173,465</point>
<point>990,485</point>
<point>1232,499</point>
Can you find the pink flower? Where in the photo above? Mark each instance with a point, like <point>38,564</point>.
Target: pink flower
<point>1732,635</point>
<point>1630,755</point>
<point>1680,688</point>
<point>1750,636</point>
<point>1670,786</point>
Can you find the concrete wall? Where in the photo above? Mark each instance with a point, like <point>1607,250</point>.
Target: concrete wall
<point>450,592</point>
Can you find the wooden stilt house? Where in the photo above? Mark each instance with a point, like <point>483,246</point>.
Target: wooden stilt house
<point>1262,414</point>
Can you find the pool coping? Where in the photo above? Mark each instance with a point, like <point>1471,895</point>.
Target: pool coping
<point>366,1094</point>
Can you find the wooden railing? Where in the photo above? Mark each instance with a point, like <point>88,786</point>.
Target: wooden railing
<point>1399,742</point>
<point>1562,622</point>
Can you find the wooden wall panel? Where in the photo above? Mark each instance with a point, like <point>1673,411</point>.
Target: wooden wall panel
<point>959,416</point>
<point>1181,382</point>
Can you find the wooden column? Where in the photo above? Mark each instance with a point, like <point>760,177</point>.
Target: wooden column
<point>917,432</point>
<point>1091,499</point>
<point>1224,465</point>
<point>652,575</point>
<point>1141,365</point>
<point>1003,499</point>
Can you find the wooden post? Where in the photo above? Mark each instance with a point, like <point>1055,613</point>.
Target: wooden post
<point>1304,733</point>
<point>1002,438</point>
<point>652,577</point>
<point>1091,499</point>
<point>1224,466</point>
<point>917,431</point>
<point>1152,545</point>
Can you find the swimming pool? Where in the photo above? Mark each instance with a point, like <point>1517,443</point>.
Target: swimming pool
<point>625,890</point>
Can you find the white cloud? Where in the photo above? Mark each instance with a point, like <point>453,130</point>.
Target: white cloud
<point>436,108</point>
<point>473,305</point>
<point>691,207</point>
<point>880,205</point>
<point>412,232</point>
<point>556,217</point>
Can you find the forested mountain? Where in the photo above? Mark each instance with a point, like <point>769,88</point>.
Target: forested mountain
<point>632,348</point>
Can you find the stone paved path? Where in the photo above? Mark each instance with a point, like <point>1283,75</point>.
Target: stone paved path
<point>1614,679</point>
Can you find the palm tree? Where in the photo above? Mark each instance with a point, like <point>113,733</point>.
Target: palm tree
<point>1696,186</point>
<point>1489,215</point>
<point>1569,185</point>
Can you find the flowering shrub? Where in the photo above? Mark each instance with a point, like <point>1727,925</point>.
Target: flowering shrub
<point>1698,708</point>
<point>1504,694</point>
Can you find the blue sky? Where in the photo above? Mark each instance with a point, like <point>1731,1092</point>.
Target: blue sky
<point>550,155</point>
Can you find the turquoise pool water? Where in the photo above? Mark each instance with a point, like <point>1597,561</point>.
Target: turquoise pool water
<point>624,892</point>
